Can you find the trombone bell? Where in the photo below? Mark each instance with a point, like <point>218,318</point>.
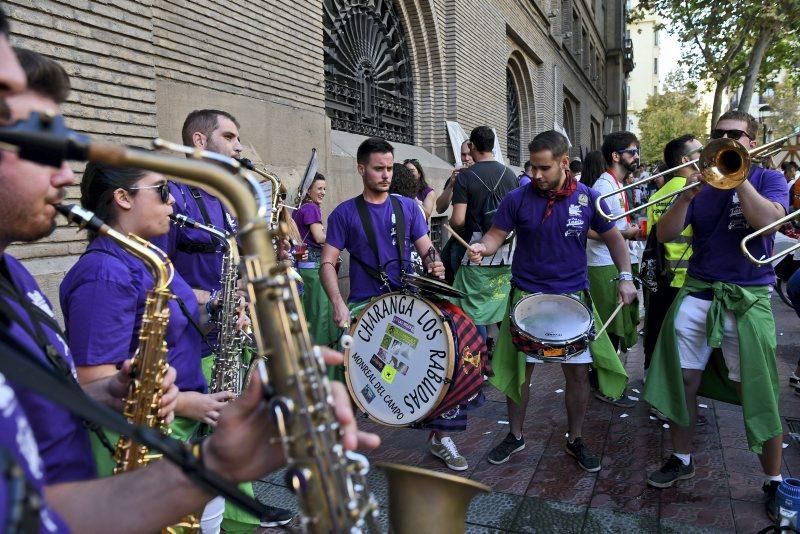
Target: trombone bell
<point>724,163</point>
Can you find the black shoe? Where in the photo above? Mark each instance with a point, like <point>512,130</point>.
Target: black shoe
<point>622,402</point>
<point>658,414</point>
<point>672,471</point>
<point>276,517</point>
<point>581,452</point>
<point>507,447</point>
<point>771,504</point>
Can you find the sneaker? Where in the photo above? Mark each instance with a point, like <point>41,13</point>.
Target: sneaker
<point>658,414</point>
<point>447,451</point>
<point>276,517</point>
<point>794,380</point>
<point>771,504</point>
<point>622,402</point>
<point>701,420</point>
<point>672,471</point>
<point>510,445</point>
<point>578,450</point>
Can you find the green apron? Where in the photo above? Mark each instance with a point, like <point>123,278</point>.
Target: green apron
<point>486,290</point>
<point>605,297</point>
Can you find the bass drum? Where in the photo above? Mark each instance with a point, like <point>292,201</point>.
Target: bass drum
<point>406,364</point>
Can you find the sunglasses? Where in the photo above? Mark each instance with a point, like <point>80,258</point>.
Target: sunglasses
<point>163,190</point>
<point>730,134</point>
<point>631,151</point>
<point>413,161</point>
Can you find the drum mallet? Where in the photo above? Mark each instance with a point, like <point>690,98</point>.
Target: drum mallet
<point>608,322</point>
<point>456,236</point>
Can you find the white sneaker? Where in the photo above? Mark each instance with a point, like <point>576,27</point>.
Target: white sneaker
<point>447,451</point>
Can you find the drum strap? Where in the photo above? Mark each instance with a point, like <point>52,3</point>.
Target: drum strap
<point>398,228</point>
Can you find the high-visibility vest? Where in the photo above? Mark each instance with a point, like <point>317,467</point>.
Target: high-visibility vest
<point>679,250</point>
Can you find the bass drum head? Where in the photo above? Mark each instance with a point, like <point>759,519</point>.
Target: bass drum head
<point>552,318</point>
<point>400,365</point>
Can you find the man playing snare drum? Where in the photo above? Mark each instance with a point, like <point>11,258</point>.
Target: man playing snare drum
<point>552,216</point>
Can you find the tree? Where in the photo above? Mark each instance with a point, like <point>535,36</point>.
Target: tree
<point>671,114</point>
<point>784,107</point>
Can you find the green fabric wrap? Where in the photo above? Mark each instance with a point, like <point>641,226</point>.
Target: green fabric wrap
<point>318,309</point>
<point>755,325</point>
<point>486,290</point>
<point>604,293</point>
<point>509,364</point>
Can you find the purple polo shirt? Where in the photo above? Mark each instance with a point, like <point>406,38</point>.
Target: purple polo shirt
<point>719,226</point>
<point>103,299</point>
<point>550,257</point>
<point>17,441</point>
<point>308,214</point>
<point>345,231</point>
<point>62,438</point>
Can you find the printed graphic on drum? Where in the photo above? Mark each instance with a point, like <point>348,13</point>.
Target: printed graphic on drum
<point>400,365</point>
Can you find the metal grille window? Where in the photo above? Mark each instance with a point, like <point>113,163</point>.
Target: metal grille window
<point>512,119</point>
<point>368,80</point>
<point>437,233</point>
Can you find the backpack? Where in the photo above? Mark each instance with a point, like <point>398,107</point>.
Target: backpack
<point>491,202</point>
<point>653,269</point>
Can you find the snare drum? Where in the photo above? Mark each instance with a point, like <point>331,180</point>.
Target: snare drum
<point>408,364</point>
<point>551,327</point>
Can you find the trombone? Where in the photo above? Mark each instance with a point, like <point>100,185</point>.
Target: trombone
<point>723,163</point>
<point>767,229</point>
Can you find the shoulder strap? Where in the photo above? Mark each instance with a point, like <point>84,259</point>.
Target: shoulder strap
<point>366,223</point>
<point>198,197</point>
<point>400,217</point>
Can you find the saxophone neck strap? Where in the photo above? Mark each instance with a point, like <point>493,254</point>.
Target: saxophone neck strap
<point>24,369</point>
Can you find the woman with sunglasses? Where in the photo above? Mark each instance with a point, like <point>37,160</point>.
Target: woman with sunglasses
<point>426,197</point>
<point>103,297</point>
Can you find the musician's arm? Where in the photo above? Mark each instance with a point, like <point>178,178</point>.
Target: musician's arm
<point>758,210</point>
<point>672,223</point>
<point>329,279</point>
<point>490,242</point>
<point>318,233</point>
<point>459,216</point>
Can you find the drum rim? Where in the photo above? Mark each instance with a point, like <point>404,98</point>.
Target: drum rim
<point>550,343</point>
<point>451,361</point>
<point>409,279</point>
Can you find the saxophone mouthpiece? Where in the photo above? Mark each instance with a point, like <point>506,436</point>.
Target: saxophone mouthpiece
<point>183,220</point>
<point>82,217</point>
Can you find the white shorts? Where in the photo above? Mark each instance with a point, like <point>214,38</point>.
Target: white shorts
<point>583,357</point>
<point>690,330</point>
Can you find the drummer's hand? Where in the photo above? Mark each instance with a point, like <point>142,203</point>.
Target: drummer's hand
<point>436,268</point>
<point>341,314</point>
<point>476,251</point>
<point>627,291</point>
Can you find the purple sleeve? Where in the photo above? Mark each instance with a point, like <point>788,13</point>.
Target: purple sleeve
<point>599,223</point>
<point>418,226</point>
<point>460,189</point>
<point>101,319</point>
<point>506,213</point>
<point>336,235</point>
<point>689,212</point>
<point>773,187</point>
<point>312,215</point>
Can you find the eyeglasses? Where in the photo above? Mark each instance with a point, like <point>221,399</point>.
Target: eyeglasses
<point>730,134</point>
<point>163,190</point>
<point>631,151</point>
<point>693,152</point>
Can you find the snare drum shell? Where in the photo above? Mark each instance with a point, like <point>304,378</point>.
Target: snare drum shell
<point>562,322</point>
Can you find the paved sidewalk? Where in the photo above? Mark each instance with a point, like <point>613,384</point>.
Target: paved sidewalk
<point>541,489</point>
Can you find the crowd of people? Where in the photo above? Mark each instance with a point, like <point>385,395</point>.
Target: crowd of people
<point>708,325</point>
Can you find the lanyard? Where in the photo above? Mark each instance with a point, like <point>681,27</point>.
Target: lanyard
<point>625,204</point>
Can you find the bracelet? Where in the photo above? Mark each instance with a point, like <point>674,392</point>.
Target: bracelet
<point>625,276</point>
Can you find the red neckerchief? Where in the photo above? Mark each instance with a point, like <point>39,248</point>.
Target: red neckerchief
<point>569,187</point>
<point>625,204</point>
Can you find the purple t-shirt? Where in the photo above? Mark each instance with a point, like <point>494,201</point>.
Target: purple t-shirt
<point>18,442</point>
<point>62,438</point>
<point>524,180</point>
<point>719,226</point>
<point>550,257</point>
<point>103,299</point>
<point>345,231</point>
<point>308,214</point>
<point>421,195</point>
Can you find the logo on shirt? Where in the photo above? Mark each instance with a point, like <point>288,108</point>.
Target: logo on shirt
<point>40,302</point>
<point>575,222</point>
<point>736,220</point>
<point>574,210</point>
<point>231,222</point>
<point>583,200</point>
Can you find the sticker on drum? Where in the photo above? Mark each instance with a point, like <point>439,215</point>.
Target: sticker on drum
<point>400,364</point>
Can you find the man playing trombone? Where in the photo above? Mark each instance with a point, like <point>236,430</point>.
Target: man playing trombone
<point>724,303</point>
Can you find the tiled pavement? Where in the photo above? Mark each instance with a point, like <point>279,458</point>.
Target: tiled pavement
<point>540,489</point>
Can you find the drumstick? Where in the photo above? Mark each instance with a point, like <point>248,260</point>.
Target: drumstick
<point>455,235</point>
<point>619,307</point>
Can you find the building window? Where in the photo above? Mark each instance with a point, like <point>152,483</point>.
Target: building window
<point>655,89</point>
<point>655,38</point>
<point>512,119</point>
<point>655,65</point>
<point>368,79</point>
<point>569,121</point>
<point>628,92</point>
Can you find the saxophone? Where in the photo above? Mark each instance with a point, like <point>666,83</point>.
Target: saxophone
<point>330,482</point>
<point>229,369</point>
<point>149,363</point>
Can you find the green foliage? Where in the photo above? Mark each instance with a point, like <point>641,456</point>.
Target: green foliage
<point>675,112</point>
<point>785,116</point>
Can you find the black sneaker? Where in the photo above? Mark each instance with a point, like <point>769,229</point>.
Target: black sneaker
<point>581,452</point>
<point>507,447</point>
<point>622,402</point>
<point>672,471</point>
<point>276,517</point>
<point>771,504</point>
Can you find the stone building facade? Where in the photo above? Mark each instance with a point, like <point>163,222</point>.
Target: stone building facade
<point>322,73</point>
